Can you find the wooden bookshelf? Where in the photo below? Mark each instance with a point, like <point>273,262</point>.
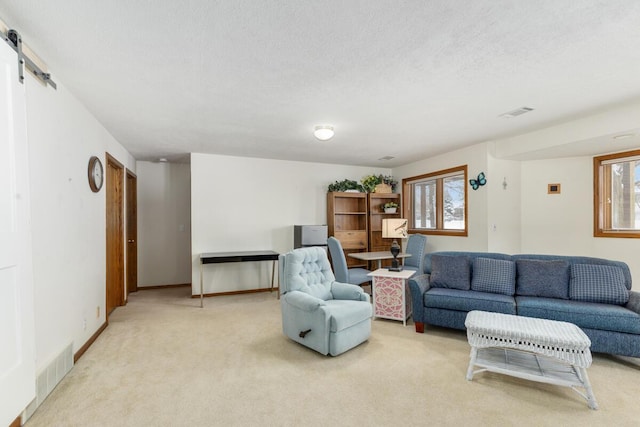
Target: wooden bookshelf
<point>376,214</point>
<point>347,220</point>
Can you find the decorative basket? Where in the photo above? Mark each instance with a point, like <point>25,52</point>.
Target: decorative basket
<point>382,188</point>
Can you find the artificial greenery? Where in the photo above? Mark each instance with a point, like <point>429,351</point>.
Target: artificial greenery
<point>344,185</point>
<point>388,179</point>
<point>369,182</point>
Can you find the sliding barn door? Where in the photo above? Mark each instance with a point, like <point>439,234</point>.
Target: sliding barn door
<point>17,336</point>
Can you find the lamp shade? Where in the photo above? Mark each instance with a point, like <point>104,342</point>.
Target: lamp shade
<point>394,228</point>
<point>323,133</point>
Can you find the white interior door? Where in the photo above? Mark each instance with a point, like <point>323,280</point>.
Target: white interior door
<point>17,336</point>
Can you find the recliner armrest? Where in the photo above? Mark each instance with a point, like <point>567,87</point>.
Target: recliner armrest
<point>303,301</point>
<point>346,291</point>
<point>634,302</point>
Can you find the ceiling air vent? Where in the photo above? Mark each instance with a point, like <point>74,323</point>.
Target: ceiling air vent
<point>386,158</point>
<point>515,113</point>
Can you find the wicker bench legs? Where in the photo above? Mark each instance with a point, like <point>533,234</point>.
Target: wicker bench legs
<point>533,349</point>
<point>533,367</point>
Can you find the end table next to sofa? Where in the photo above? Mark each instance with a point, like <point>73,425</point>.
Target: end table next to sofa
<point>391,298</point>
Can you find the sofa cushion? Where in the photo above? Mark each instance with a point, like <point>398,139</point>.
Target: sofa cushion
<point>494,275</point>
<point>598,283</point>
<point>582,260</point>
<point>589,315</point>
<point>470,255</point>
<point>451,272</point>
<point>459,300</point>
<point>542,278</point>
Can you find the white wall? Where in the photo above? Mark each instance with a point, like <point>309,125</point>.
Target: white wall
<point>504,205</point>
<point>68,219</point>
<point>557,223</point>
<point>563,223</point>
<point>164,223</point>
<point>475,157</point>
<point>252,204</point>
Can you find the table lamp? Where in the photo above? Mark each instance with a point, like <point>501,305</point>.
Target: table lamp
<point>394,228</point>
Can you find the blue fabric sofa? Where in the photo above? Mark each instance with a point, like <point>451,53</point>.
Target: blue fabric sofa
<point>593,293</point>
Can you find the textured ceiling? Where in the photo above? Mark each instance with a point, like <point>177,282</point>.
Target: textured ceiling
<point>408,79</point>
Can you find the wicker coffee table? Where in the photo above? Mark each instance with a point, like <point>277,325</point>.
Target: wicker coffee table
<point>533,349</point>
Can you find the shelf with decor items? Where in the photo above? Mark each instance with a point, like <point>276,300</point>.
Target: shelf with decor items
<point>347,221</point>
<point>376,202</point>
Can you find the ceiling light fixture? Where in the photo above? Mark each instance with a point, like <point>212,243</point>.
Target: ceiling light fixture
<point>323,132</point>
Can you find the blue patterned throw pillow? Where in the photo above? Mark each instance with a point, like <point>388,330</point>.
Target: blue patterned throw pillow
<point>497,276</point>
<point>542,278</point>
<point>598,283</point>
<point>451,272</point>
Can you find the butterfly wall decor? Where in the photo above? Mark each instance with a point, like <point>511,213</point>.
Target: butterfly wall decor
<point>480,181</point>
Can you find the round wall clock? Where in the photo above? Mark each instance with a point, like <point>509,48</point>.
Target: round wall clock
<point>96,174</point>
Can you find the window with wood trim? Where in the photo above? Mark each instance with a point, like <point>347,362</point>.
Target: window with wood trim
<point>616,195</point>
<point>436,203</point>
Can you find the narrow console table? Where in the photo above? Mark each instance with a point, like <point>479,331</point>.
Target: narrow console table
<point>244,256</point>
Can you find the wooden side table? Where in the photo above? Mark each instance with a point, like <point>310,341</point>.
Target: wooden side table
<point>391,297</point>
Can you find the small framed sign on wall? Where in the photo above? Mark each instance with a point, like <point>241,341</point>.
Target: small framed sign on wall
<point>553,189</point>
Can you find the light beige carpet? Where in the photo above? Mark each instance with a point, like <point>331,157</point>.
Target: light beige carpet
<point>163,361</point>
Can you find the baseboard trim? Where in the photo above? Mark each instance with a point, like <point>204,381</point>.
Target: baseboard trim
<point>247,291</point>
<point>146,288</point>
<point>78,354</point>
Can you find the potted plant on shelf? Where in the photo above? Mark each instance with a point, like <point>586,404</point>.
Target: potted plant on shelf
<point>346,185</point>
<point>390,207</point>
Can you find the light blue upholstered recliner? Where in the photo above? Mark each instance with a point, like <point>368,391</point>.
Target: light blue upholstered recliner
<point>318,312</point>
